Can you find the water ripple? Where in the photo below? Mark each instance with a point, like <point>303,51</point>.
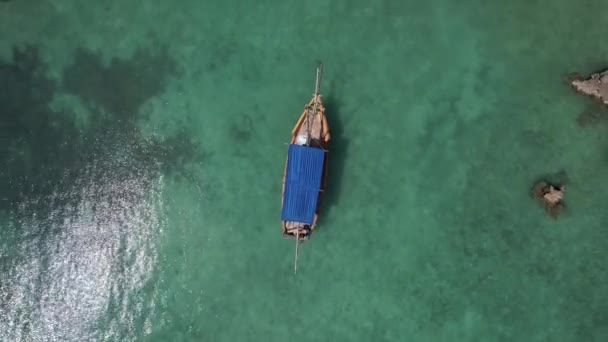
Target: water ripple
<point>85,259</point>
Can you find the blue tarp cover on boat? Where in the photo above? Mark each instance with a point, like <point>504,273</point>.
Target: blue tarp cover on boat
<point>302,183</point>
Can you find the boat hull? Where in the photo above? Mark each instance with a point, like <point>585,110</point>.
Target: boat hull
<point>317,135</point>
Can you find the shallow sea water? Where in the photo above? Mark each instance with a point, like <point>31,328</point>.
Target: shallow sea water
<point>144,145</point>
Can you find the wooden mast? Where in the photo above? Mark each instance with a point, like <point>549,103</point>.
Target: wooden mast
<point>316,94</point>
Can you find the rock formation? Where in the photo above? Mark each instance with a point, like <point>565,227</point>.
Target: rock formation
<point>550,196</point>
<point>596,86</point>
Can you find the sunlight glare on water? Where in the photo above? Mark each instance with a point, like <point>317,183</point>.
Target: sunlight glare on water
<point>97,247</point>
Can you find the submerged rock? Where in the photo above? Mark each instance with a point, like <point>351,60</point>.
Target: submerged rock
<point>596,86</point>
<point>593,117</point>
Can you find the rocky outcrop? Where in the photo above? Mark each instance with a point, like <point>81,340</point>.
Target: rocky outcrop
<point>596,86</point>
<point>550,196</point>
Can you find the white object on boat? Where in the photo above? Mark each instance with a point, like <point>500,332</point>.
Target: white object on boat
<point>301,139</point>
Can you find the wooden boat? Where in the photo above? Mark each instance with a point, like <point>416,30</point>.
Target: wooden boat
<point>305,169</point>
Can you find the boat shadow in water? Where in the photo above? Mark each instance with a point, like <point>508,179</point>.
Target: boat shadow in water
<point>338,151</point>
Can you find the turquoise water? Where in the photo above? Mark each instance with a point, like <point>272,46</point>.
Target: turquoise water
<point>144,146</point>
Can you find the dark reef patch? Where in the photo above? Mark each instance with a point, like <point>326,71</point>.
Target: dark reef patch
<point>123,85</point>
<point>242,129</point>
<point>593,116</point>
<point>45,154</point>
<point>38,142</point>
